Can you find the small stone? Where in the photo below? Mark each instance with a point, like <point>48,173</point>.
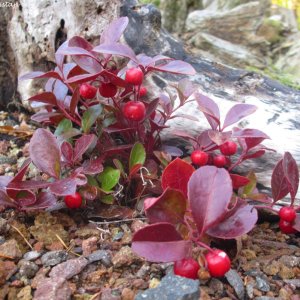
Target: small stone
<point>53,258</point>
<point>17,283</point>
<point>100,255</point>
<point>173,287</point>
<point>118,236</point>
<point>109,294</point>
<point>142,272</point>
<point>236,282</point>
<point>89,245</point>
<point>10,249</point>
<point>32,255</point>
<point>25,293</point>
<point>290,261</point>
<point>125,257</point>
<point>7,269</point>
<point>284,294</point>
<point>249,290</point>
<point>27,269</point>
<point>140,284</point>
<point>272,269</point>
<point>262,284</point>
<point>293,282</point>
<point>286,273</point>
<point>127,294</point>
<point>248,254</point>
<point>217,286</point>
<point>154,282</point>
<point>87,232</point>
<point>4,226</point>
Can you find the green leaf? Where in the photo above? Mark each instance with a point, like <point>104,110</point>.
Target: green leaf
<point>137,155</point>
<point>108,199</point>
<point>64,126</point>
<point>109,178</point>
<point>90,116</point>
<point>119,166</point>
<point>248,189</point>
<point>92,181</point>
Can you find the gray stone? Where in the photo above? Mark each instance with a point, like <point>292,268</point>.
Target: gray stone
<point>27,268</point>
<point>172,287</point>
<point>53,258</point>
<point>290,261</point>
<point>236,282</point>
<point>2,239</point>
<point>100,255</point>
<point>32,255</point>
<point>262,284</point>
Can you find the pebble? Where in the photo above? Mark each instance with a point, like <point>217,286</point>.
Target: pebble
<point>143,271</point>
<point>217,287</point>
<point>125,257</point>
<point>53,258</point>
<point>286,273</point>
<point>293,282</point>
<point>272,269</point>
<point>32,255</point>
<point>172,287</point>
<point>25,293</point>
<point>262,284</point>
<point>290,261</point>
<point>249,290</point>
<point>4,226</point>
<point>11,249</point>
<point>100,255</point>
<point>89,245</point>
<point>127,294</point>
<point>236,282</point>
<point>27,269</point>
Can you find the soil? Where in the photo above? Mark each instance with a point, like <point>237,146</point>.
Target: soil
<point>85,254</point>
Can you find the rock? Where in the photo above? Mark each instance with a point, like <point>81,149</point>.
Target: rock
<point>273,268</point>
<point>89,245</point>
<point>69,268</point>
<point>32,255</point>
<point>86,232</point>
<point>25,293</point>
<point>290,261</point>
<point>53,258</point>
<point>236,282</point>
<point>286,273</point>
<point>217,287</point>
<point>125,257</point>
<point>262,284</point>
<point>7,269</point>
<point>127,294</point>
<point>109,294</point>
<point>4,226</point>
<point>100,255</point>
<point>27,268</point>
<point>10,249</point>
<point>172,287</point>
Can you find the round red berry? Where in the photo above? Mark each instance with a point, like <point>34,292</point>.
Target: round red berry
<point>199,158</point>
<point>287,214</point>
<point>73,201</point>
<point>219,161</point>
<point>87,91</point>
<point>218,263</point>
<point>134,76</point>
<point>107,90</point>
<point>143,91</point>
<point>187,267</point>
<point>134,110</point>
<point>228,148</point>
<point>286,227</point>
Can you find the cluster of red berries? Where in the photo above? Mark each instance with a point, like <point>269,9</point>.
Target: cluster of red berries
<point>287,217</point>
<point>218,264</point>
<point>132,110</point>
<point>201,158</point>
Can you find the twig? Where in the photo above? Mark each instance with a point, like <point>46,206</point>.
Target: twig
<point>68,249</point>
<point>22,235</point>
<point>116,221</point>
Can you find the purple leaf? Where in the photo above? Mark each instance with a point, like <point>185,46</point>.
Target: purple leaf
<point>46,97</point>
<point>28,185</point>
<point>44,200</point>
<point>74,101</point>
<point>160,242</point>
<point>210,110</point>
<point>82,145</point>
<point>5,200</point>
<point>238,112</point>
<point>45,153</point>
<point>113,32</point>
<point>21,173</point>
<point>114,79</point>
<point>67,151</point>
<point>64,187</point>
<point>236,222</point>
<point>93,166</point>
<point>73,50</point>
<point>116,49</point>
<point>34,75</point>
<point>22,197</point>
<point>43,116</point>
<point>249,143</point>
<point>67,68</point>
<point>279,182</point>
<point>60,91</point>
<point>60,58</point>
<point>151,107</point>
<point>169,207</point>
<point>174,66</point>
<point>249,133</point>
<point>255,154</point>
<point>218,137</point>
<point>209,193</point>
<point>83,78</point>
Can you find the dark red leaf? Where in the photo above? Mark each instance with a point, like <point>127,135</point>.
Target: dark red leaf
<point>22,171</point>
<point>46,97</point>
<point>176,175</point>
<point>134,169</point>
<point>82,145</point>
<point>67,151</point>
<point>5,200</point>
<point>43,116</point>
<point>112,33</point>
<point>64,187</point>
<point>238,112</point>
<point>279,182</point>
<point>22,197</point>
<point>249,133</point>
<point>151,107</point>
<point>238,221</point>
<point>174,66</point>
<point>93,166</point>
<point>45,153</point>
<point>255,154</point>
<point>74,101</point>
<point>218,137</point>
<point>83,78</point>
<point>238,181</point>
<point>160,242</point>
<point>37,74</point>
<point>44,200</point>
<point>209,194</point>
<point>169,207</point>
<point>210,110</point>
<point>29,185</point>
<point>114,79</point>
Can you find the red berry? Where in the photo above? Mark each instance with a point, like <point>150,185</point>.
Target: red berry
<point>199,158</point>
<point>73,201</point>
<point>219,161</point>
<point>218,263</point>
<point>134,76</point>
<point>107,90</point>
<point>143,91</point>
<point>87,91</point>
<point>287,214</point>
<point>187,267</point>
<point>286,227</point>
<point>134,110</point>
<point>228,148</point>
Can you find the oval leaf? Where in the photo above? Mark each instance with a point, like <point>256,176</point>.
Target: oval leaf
<point>109,178</point>
<point>176,67</point>
<point>82,145</point>
<point>112,33</point>
<point>176,175</point>
<point>238,181</point>
<point>64,187</point>
<point>160,242</point>
<point>279,183</point>
<point>90,116</point>
<point>45,153</point>
<point>209,193</point>
<point>137,155</point>
<point>169,207</point>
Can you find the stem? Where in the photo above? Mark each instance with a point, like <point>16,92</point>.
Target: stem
<point>236,163</point>
<point>203,245</point>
